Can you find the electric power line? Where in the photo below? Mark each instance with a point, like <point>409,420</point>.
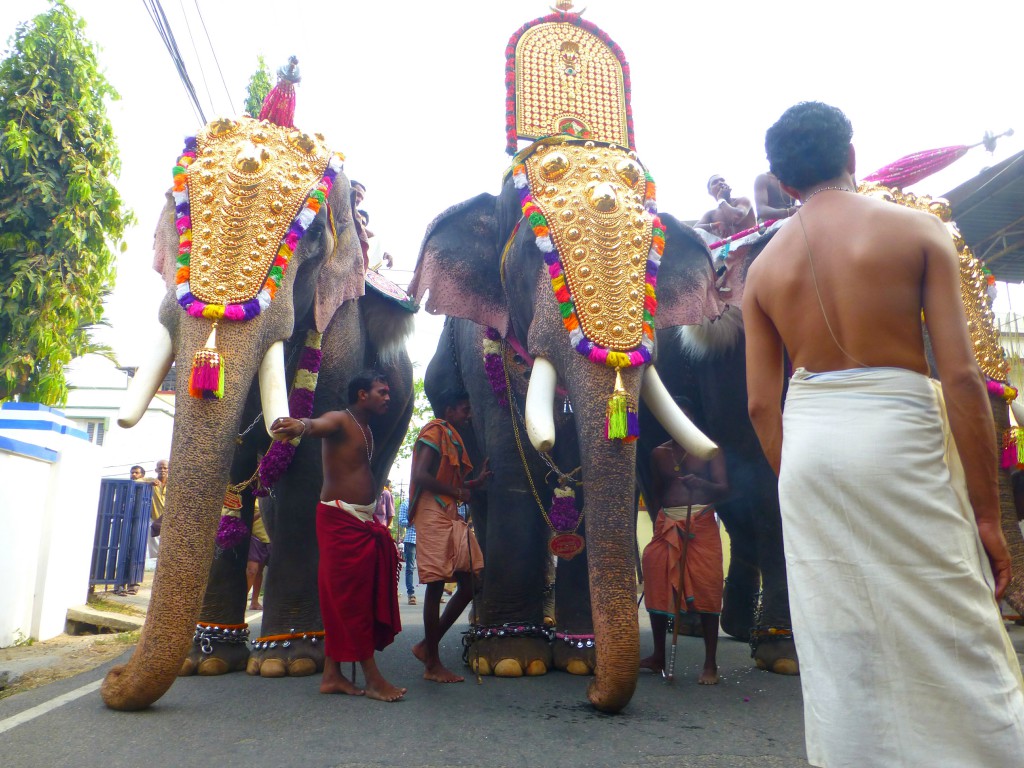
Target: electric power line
<point>215,59</point>
<point>195,50</point>
<point>163,27</point>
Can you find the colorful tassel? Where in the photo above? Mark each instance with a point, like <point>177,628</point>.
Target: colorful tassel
<point>207,379</point>
<point>1010,458</point>
<point>622,422</point>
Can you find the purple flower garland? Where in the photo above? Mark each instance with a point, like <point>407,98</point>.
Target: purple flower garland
<point>300,406</point>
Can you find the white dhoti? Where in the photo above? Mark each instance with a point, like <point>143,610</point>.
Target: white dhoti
<point>904,658</point>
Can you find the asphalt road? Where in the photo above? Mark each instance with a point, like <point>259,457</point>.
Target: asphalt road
<point>750,719</point>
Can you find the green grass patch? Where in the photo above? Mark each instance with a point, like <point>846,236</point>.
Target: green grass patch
<point>101,603</point>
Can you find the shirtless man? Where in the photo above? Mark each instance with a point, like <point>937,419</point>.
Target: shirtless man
<point>769,199</point>
<point>681,482</point>
<point>730,215</point>
<point>360,613</point>
<point>879,517</point>
<point>446,549</point>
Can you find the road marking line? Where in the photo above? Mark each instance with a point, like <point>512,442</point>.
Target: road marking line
<point>31,714</point>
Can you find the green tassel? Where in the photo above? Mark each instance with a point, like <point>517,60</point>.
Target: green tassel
<point>617,422</point>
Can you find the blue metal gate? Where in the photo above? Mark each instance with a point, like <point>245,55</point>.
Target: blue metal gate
<point>122,533</point>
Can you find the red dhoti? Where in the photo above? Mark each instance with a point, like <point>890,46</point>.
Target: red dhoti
<point>702,578</point>
<point>358,580</point>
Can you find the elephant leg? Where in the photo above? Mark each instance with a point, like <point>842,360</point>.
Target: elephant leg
<point>773,646</point>
<point>743,584</point>
<point>509,638</point>
<point>219,652</point>
<point>291,641</point>
<point>573,651</point>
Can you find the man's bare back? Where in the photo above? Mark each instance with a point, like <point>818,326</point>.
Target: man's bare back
<point>869,259</point>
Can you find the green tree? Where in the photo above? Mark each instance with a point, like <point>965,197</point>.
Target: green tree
<point>259,87</point>
<point>60,214</point>
<point>421,414</point>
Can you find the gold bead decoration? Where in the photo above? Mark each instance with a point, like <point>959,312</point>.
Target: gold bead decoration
<point>604,246</point>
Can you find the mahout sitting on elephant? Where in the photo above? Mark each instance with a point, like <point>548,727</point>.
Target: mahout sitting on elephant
<point>256,242</point>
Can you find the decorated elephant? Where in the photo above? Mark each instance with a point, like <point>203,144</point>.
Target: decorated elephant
<point>260,253</point>
<point>480,267</point>
<point>567,269</point>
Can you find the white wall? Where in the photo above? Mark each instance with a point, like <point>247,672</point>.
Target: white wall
<point>49,492</point>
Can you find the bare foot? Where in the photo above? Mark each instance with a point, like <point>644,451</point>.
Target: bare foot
<point>438,673</point>
<point>384,691</point>
<point>708,676</point>
<point>420,652</point>
<point>653,663</point>
<point>255,607</point>
<point>340,685</point>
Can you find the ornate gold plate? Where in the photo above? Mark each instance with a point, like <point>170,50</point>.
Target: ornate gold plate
<point>593,199</point>
<point>248,182</point>
<point>569,81</point>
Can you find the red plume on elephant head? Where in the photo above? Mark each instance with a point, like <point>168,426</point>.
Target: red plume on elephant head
<point>279,105</point>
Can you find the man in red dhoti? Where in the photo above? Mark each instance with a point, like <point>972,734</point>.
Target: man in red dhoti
<point>358,578</point>
<point>684,486</point>
<point>446,548</point>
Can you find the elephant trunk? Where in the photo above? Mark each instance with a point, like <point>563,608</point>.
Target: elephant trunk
<point>201,452</point>
<point>609,476</point>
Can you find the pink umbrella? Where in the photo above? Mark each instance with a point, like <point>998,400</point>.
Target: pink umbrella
<point>912,168</point>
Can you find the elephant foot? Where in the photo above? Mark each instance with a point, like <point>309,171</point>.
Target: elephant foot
<point>215,651</point>
<point>509,656</point>
<point>575,656</point>
<point>298,655</point>
<point>778,656</point>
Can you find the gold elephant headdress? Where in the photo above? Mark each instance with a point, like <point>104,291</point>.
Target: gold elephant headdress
<point>588,199</point>
<point>564,75</point>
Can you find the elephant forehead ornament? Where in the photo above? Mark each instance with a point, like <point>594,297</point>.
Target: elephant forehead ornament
<point>589,200</point>
<point>245,192</point>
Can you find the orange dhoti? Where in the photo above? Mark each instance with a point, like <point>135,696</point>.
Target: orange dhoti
<point>702,579</point>
<point>445,545</point>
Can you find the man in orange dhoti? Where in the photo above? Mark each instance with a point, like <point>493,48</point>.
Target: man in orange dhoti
<point>446,548</point>
<point>684,484</point>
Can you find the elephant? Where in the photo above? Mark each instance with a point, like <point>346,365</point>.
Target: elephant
<point>319,288</point>
<point>483,271</point>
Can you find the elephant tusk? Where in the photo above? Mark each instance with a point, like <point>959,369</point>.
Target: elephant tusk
<point>273,388</point>
<point>540,413</point>
<point>1018,413</point>
<point>146,381</point>
<point>676,423</point>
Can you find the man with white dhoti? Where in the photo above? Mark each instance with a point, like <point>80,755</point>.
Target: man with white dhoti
<point>894,550</point>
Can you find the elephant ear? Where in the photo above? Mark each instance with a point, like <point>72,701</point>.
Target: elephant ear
<point>459,264</point>
<point>165,243</point>
<point>686,278</point>
<point>343,273</point>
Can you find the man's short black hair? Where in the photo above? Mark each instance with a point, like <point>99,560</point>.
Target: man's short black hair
<point>363,382</point>
<point>138,468</point>
<point>809,144</point>
<point>450,398</point>
<point>712,177</point>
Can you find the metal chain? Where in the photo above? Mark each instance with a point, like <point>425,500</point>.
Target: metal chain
<point>259,416</point>
<point>205,637</point>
